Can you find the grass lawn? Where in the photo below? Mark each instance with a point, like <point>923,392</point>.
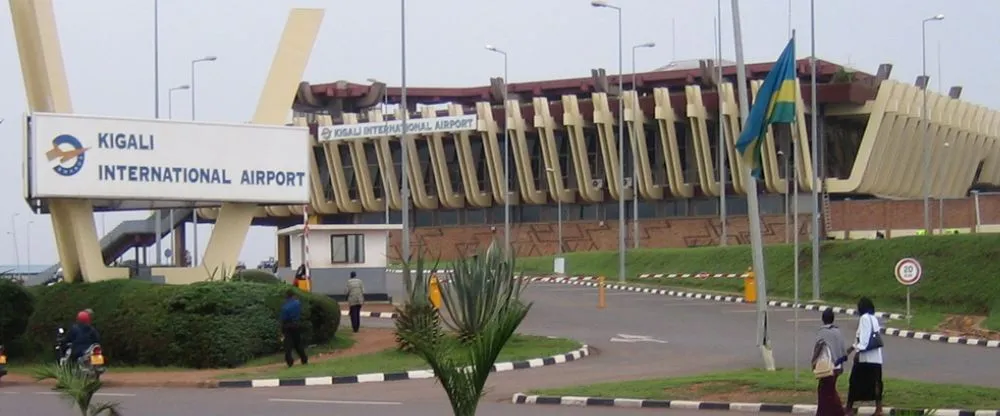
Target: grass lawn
<point>520,347</point>
<point>959,272</point>
<point>342,341</point>
<point>779,387</point>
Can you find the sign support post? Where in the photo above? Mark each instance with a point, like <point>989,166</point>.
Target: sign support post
<point>908,272</point>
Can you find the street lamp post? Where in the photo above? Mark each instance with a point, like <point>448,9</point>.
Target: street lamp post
<point>156,109</point>
<point>194,212</point>
<point>559,227</point>
<point>404,153</point>
<point>621,144</point>
<point>506,158</point>
<point>924,121</point>
<point>635,159</point>
<point>13,236</point>
<point>170,115</point>
<point>784,162</point>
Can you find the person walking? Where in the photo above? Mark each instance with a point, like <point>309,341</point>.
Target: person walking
<point>355,298</point>
<point>829,354</point>
<point>291,312</point>
<point>866,374</point>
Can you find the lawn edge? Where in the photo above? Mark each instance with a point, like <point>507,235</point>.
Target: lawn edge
<point>567,357</point>
<point>522,398</point>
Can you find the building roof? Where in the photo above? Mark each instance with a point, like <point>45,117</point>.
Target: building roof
<point>352,97</point>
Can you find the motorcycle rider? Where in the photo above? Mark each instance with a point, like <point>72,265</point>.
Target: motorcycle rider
<point>81,336</point>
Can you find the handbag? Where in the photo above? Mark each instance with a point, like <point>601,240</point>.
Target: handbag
<point>874,340</point>
<point>824,364</point>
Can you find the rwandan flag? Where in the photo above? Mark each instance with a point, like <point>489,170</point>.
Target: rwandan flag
<point>775,103</point>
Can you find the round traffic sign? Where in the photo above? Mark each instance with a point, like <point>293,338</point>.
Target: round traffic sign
<point>908,271</point>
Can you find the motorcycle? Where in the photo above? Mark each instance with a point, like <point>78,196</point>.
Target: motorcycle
<point>91,363</point>
<point>3,362</point>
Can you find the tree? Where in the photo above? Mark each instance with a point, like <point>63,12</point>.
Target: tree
<point>482,303</point>
<point>78,388</point>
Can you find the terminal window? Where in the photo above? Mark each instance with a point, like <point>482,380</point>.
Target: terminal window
<point>347,248</point>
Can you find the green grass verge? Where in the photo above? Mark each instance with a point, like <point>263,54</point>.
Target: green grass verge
<point>959,271</point>
<point>780,387</point>
<point>520,347</point>
<point>340,342</point>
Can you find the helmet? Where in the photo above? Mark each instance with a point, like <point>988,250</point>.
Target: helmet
<point>83,317</point>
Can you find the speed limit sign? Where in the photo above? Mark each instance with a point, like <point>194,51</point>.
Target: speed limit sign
<point>908,271</point>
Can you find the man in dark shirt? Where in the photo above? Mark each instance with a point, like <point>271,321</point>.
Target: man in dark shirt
<point>291,312</point>
<point>81,335</point>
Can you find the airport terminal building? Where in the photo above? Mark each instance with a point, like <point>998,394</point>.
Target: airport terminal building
<point>563,138</point>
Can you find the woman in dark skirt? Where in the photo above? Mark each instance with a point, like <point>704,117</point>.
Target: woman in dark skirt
<point>830,345</point>
<point>866,375</point>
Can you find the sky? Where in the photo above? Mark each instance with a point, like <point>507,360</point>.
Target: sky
<point>108,51</point>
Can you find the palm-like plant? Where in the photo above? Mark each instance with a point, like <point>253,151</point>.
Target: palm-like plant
<point>417,316</point>
<point>79,388</point>
<point>487,320</point>
<point>480,288</point>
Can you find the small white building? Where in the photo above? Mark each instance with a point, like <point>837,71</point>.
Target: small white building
<point>336,250</point>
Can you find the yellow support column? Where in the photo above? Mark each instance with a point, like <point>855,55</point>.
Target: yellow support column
<point>600,292</point>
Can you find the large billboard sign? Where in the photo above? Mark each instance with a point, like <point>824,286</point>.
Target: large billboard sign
<point>79,156</point>
<point>450,124</point>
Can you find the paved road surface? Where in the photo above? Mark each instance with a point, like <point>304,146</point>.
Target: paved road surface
<point>306,401</point>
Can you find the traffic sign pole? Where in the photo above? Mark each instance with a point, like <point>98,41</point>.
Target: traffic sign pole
<point>908,272</point>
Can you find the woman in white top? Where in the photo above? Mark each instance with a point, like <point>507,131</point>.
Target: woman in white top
<point>866,375</point>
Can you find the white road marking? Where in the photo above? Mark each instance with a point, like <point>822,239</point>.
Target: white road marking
<point>631,339</point>
<point>10,392</point>
<point>334,402</point>
<point>770,309</point>
<point>806,320</point>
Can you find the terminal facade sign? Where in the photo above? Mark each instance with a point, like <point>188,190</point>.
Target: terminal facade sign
<point>434,125</point>
<point>78,156</point>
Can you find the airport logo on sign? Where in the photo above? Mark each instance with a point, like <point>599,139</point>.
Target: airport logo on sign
<point>70,154</point>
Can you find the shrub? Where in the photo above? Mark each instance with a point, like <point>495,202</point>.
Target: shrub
<point>16,306</point>
<point>256,276</point>
<point>202,325</point>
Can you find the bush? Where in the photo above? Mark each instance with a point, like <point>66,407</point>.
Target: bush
<point>202,325</point>
<point>16,306</point>
<point>256,276</point>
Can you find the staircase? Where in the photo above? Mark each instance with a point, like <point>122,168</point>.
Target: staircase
<point>127,235</point>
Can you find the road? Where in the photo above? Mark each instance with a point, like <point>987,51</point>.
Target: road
<point>701,336</point>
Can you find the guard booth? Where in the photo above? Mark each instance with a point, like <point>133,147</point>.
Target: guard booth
<point>336,250</point>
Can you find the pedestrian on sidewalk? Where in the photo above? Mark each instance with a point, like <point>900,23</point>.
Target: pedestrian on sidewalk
<point>866,374</point>
<point>829,354</point>
<point>291,312</point>
<point>355,298</point>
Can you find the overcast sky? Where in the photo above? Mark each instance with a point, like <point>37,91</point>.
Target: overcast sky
<point>108,51</point>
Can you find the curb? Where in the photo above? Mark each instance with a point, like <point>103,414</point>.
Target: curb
<point>702,275</point>
<point>521,398</point>
<point>381,315</point>
<point>902,333</point>
<point>399,376</point>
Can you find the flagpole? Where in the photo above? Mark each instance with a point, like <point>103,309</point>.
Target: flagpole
<point>795,221</point>
<point>753,209</point>
<point>816,181</point>
<point>723,148</point>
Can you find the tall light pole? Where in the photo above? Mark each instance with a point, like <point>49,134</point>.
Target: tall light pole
<point>784,205</point>
<point>924,121</point>
<point>385,178</point>
<point>723,148</point>
<point>404,153</point>
<point>13,236</point>
<point>170,98</point>
<point>506,158</point>
<point>156,109</point>
<point>621,143</point>
<point>194,212</point>
<point>559,226</point>
<point>170,115</point>
<point>635,158</point>
<point>815,151</point>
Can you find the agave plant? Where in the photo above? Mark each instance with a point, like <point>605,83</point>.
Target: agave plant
<point>478,291</point>
<point>78,388</point>
<point>488,319</point>
<point>417,315</point>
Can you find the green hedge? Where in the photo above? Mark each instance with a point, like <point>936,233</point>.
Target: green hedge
<point>256,276</point>
<point>16,306</point>
<point>202,325</point>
